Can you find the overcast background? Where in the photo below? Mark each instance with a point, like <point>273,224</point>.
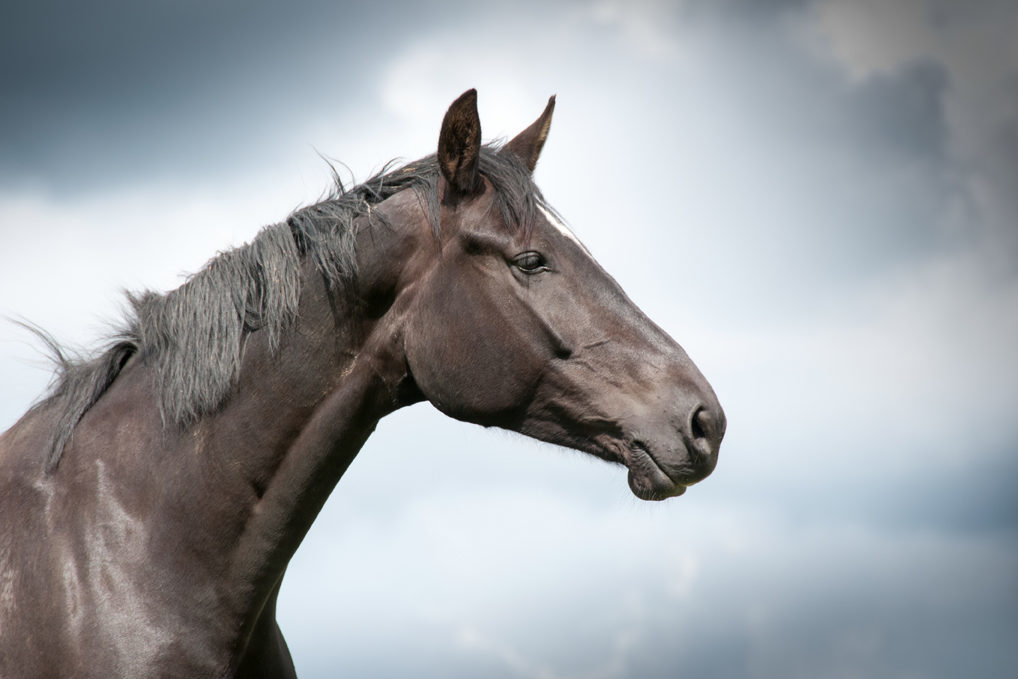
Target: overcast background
<point>818,200</point>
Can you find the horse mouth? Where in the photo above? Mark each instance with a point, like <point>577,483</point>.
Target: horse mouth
<point>647,479</point>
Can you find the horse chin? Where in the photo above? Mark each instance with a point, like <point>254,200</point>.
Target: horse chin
<point>650,489</point>
<point>646,478</point>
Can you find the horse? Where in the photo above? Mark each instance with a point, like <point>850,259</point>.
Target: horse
<point>151,501</point>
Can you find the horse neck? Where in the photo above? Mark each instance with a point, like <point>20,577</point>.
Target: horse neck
<point>336,371</point>
<point>301,413</point>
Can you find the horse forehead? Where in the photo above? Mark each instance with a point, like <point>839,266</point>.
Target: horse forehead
<point>561,228</point>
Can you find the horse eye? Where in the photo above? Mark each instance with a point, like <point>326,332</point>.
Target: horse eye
<point>530,262</point>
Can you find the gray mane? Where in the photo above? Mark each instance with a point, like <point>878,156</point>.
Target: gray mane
<point>194,336</point>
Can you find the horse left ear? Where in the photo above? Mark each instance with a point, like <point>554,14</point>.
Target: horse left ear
<point>527,144</point>
<point>459,145</point>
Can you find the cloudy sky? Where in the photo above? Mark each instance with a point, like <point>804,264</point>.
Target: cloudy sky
<point>817,199</point>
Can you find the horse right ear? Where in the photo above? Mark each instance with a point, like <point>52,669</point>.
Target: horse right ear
<point>527,144</point>
<point>459,146</point>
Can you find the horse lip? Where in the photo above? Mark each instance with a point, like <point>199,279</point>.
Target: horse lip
<point>638,454</point>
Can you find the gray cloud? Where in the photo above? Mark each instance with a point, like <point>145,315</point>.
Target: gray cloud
<point>117,92</point>
<point>974,46</point>
<point>105,92</point>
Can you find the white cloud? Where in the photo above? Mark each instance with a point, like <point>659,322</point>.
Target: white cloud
<point>909,383</point>
<point>648,27</point>
<point>475,641</point>
<point>425,78</point>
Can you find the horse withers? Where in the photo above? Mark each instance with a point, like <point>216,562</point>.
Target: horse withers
<point>150,503</point>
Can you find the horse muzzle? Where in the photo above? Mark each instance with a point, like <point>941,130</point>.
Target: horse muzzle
<point>665,464</point>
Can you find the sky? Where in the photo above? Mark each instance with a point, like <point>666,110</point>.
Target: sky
<point>816,198</point>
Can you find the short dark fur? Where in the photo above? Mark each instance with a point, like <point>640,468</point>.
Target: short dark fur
<point>195,334</point>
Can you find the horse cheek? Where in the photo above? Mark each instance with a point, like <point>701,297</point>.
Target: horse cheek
<point>464,361</point>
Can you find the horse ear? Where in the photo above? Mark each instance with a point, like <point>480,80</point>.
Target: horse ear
<point>527,144</point>
<point>459,144</point>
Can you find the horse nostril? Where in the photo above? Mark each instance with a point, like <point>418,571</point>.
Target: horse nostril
<point>706,429</point>
<point>700,424</point>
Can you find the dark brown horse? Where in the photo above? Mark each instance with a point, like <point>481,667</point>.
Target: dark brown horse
<point>150,504</point>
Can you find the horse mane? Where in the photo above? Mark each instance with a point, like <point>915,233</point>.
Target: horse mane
<point>194,335</point>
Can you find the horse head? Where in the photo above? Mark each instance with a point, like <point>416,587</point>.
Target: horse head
<point>515,325</point>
